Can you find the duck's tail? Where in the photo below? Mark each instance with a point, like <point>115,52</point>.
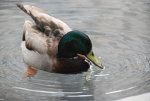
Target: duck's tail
<point>21,7</point>
<point>28,8</point>
<point>43,20</point>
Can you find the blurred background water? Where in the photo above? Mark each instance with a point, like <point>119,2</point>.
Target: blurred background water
<point>120,33</point>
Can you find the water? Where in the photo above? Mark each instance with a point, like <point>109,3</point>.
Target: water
<point>119,30</point>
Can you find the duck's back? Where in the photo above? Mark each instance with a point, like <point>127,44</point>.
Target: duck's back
<point>44,21</point>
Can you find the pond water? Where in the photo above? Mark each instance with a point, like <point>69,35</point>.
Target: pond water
<point>120,33</point>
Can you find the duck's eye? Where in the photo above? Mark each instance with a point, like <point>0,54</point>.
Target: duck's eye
<point>92,54</point>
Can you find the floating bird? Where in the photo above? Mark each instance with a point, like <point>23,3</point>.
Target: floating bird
<point>51,45</point>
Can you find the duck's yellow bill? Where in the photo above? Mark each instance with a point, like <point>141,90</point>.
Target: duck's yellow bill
<point>94,60</point>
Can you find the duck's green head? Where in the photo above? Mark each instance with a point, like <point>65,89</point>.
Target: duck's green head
<point>76,43</point>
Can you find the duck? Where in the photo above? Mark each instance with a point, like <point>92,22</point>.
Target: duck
<point>49,44</point>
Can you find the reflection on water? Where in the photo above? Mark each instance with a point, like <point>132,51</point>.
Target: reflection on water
<point>119,31</point>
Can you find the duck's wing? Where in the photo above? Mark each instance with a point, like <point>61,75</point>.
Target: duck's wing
<point>45,22</point>
<point>34,39</point>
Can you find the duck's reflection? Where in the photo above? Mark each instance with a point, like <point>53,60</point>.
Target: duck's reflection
<point>54,86</point>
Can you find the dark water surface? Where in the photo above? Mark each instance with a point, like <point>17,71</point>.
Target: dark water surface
<point>119,30</point>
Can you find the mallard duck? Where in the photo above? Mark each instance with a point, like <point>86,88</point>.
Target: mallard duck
<point>51,45</point>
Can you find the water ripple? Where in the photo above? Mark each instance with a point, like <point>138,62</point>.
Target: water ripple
<point>47,92</point>
<point>121,90</point>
